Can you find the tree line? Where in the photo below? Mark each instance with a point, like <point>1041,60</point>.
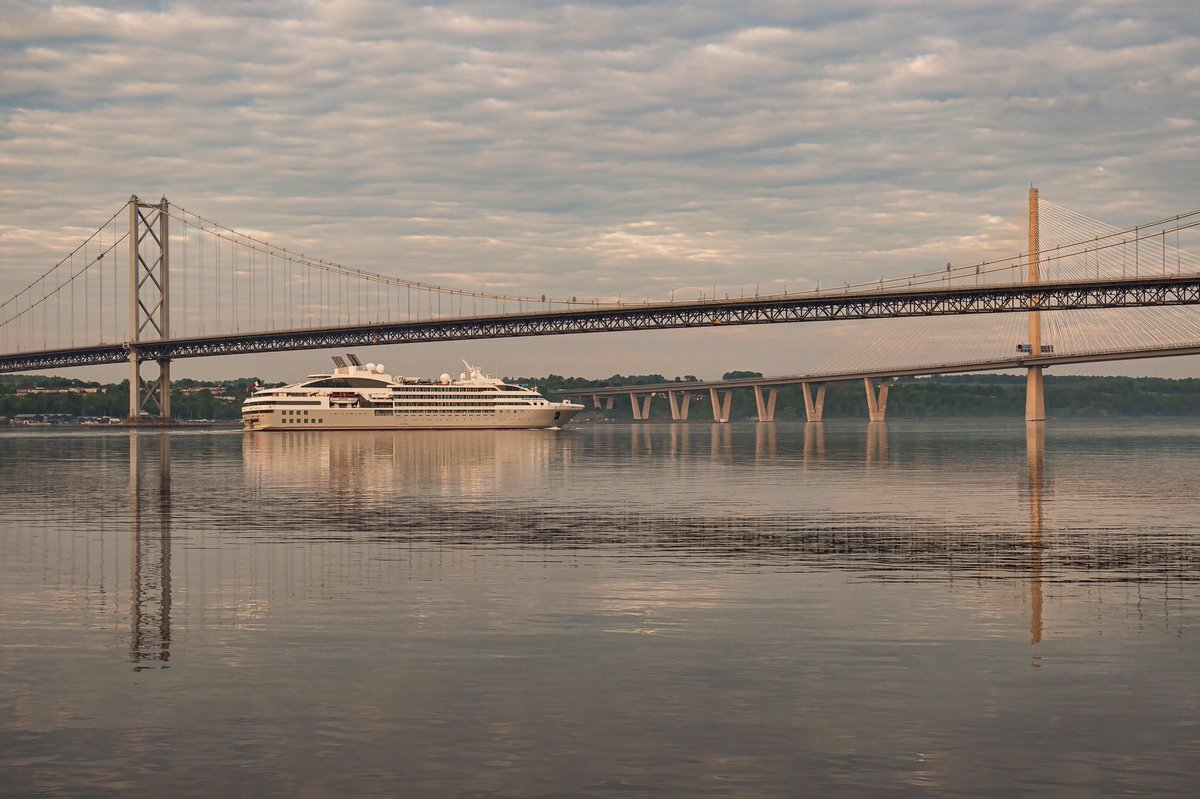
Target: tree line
<point>987,395</point>
<point>190,399</point>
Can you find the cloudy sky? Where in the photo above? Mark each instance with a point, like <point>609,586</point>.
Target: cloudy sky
<point>596,149</point>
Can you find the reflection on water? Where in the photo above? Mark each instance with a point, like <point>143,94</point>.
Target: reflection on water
<point>1035,453</point>
<point>633,610</point>
<point>150,569</point>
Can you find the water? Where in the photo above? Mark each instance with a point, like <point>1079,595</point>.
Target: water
<point>922,609</point>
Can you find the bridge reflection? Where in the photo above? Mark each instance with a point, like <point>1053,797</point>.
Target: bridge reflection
<point>314,515</point>
<point>1035,455</point>
<point>150,538</point>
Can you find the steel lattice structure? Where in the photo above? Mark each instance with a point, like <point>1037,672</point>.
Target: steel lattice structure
<point>1019,298</point>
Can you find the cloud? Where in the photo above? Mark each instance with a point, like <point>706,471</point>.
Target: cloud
<point>520,145</point>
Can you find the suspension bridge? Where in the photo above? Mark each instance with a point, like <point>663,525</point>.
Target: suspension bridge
<point>156,282</point>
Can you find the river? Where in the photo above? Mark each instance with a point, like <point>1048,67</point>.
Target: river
<point>924,608</point>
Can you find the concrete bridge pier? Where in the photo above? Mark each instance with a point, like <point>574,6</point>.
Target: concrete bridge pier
<point>766,410</point>
<point>607,402</point>
<point>641,410</point>
<point>722,401</point>
<point>814,411</point>
<point>679,401</point>
<point>877,403</point>
<point>1035,396</point>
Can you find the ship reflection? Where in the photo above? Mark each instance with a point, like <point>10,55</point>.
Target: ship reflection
<point>463,463</point>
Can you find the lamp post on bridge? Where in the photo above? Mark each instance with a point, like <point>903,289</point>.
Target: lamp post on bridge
<point>149,308</point>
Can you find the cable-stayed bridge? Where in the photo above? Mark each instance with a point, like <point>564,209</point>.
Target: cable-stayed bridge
<point>156,282</point>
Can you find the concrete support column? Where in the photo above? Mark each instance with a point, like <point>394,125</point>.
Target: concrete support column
<point>135,383</point>
<point>640,410</point>
<point>679,400</point>
<point>164,388</point>
<point>595,400</point>
<point>608,403</point>
<point>721,406</point>
<point>1035,396</point>
<point>766,410</point>
<point>877,404</point>
<point>814,411</point>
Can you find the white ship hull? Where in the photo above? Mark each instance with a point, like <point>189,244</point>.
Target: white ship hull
<point>366,419</point>
<point>357,397</point>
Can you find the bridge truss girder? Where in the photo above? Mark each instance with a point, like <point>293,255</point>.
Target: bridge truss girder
<point>1143,292</point>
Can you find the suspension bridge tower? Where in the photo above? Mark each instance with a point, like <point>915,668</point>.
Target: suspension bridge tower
<point>1035,398</point>
<point>149,309</point>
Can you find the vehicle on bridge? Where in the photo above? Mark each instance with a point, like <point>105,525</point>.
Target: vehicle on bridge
<point>358,397</point>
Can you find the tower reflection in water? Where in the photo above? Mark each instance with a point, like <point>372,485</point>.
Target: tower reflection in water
<point>150,537</point>
<point>1035,453</point>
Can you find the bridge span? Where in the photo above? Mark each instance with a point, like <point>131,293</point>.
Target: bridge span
<point>875,381</point>
<point>237,294</point>
<point>1140,292</point>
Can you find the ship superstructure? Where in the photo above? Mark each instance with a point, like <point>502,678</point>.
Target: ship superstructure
<point>364,397</point>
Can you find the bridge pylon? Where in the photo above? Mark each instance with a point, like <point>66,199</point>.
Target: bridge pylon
<point>1035,395</point>
<point>149,309</point>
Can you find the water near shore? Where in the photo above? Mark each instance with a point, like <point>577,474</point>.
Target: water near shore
<point>918,609</point>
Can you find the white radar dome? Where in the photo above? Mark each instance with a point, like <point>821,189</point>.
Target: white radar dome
<point>378,368</point>
<point>445,378</point>
<point>370,367</point>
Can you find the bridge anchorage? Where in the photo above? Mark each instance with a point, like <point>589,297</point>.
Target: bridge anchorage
<point>149,310</point>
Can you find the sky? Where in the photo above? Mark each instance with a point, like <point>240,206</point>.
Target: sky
<point>598,149</point>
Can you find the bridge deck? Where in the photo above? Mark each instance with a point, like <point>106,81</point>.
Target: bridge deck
<point>870,374</point>
<point>890,303</point>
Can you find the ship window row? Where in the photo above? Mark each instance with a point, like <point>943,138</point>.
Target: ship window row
<point>473,394</point>
<point>428,411</point>
<point>310,403</point>
<point>464,403</point>
<point>304,420</point>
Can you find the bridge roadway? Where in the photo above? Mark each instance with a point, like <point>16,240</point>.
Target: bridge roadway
<point>773,309</point>
<point>720,392</point>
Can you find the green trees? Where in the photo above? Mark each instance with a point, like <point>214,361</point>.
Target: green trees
<point>942,396</point>
<point>190,399</point>
<point>985,395</point>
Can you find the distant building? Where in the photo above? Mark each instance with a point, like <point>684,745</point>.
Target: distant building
<point>71,390</point>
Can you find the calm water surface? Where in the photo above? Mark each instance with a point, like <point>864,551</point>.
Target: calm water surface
<point>918,609</point>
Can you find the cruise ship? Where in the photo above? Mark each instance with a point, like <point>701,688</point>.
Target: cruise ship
<point>358,397</point>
